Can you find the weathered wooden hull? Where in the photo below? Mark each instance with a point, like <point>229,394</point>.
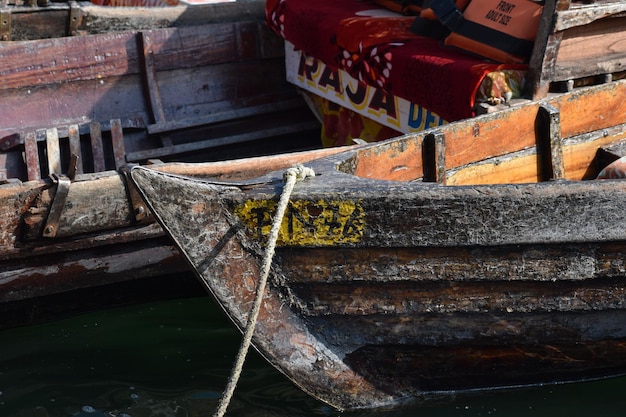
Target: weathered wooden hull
<point>386,289</point>
<point>422,290</point>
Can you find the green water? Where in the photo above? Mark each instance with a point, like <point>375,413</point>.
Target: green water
<point>172,359</point>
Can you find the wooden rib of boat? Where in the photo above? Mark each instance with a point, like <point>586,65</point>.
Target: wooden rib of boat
<point>482,255</point>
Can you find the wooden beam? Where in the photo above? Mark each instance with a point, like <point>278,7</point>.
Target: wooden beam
<point>32,156</point>
<point>545,50</point>
<point>53,151</point>
<point>117,139</point>
<point>434,157</point>
<point>75,148</point>
<point>580,15</point>
<point>550,132</point>
<point>96,146</point>
<point>146,51</point>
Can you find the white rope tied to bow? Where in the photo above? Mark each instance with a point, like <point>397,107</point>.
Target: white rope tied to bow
<point>290,177</point>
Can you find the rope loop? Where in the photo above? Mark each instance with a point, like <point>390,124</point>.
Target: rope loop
<point>300,172</point>
<point>290,177</point>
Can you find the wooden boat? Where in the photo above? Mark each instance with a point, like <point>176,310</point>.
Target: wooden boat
<point>135,85</point>
<point>200,83</point>
<point>429,264</point>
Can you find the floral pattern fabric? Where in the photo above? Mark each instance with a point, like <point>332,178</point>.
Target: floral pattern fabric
<point>376,47</point>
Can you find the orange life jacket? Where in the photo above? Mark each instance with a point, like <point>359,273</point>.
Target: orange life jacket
<point>501,30</point>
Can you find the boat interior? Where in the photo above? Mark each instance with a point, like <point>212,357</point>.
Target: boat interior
<point>184,80</point>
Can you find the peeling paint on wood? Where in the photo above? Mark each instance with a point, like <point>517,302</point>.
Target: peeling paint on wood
<point>307,223</point>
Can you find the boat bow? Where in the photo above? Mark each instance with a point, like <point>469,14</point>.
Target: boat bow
<point>198,217</point>
<point>385,291</point>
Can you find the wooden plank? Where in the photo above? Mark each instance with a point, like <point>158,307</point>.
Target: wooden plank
<point>83,58</point>
<point>149,72</point>
<point>90,206</point>
<point>32,22</point>
<point>547,44</point>
<point>60,19</point>
<point>117,139</point>
<point>579,15</point>
<point>11,141</point>
<point>102,19</point>
<point>32,156</point>
<point>544,53</point>
<point>127,256</point>
<point>551,141</point>
<point>75,19</point>
<point>221,141</point>
<point>5,25</point>
<point>599,39</point>
<point>579,156</point>
<point>491,135</point>
<point>434,159</point>
<point>53,151</point>
<point>594,49</point>
<point>224,116</point>
<point>96,146</point>
<point>467,291</point>
<point>248,40</point>
<point>73,134</point>
<point>603,107</point>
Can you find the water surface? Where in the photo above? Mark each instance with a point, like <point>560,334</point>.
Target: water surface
<point>172,359</point>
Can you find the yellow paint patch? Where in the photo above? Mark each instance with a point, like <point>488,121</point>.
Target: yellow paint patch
<point>306,223</point>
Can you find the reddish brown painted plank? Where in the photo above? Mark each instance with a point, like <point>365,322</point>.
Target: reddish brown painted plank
<point>48,61</point>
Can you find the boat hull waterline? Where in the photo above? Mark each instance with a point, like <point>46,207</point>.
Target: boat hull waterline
<point>383,292</point>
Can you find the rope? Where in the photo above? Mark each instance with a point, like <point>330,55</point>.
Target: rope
<point>290,177</point>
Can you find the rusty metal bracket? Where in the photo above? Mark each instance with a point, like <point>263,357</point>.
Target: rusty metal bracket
<point>5,25</point>
<point>76,19</point>
<point>137,205</point>
<point>63,183</point>
<point>58,203</point>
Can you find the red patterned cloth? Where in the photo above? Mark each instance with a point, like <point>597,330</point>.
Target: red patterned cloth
<point>377,48</point>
